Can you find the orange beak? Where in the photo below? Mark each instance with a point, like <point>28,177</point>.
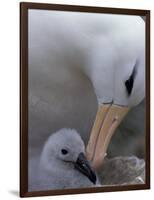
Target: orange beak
<point>108,117</point>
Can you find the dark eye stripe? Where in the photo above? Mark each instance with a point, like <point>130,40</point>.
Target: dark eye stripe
<point>130,82</point>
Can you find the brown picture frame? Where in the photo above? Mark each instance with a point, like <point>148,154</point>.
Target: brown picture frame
<point>24,97</point>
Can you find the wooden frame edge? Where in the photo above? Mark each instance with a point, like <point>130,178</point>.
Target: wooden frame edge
<point>24,6</point>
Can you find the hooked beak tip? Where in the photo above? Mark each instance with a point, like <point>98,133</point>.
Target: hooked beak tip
<point>85,168</point>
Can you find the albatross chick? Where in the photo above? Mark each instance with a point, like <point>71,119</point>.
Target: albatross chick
<point>62,164</point>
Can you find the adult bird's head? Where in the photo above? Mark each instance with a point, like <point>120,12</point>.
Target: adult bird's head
<point>118,79</point>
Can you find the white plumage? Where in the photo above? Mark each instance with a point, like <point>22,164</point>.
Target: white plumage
<point>105,47</point>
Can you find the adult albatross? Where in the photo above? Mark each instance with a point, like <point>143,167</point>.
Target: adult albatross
<point>109,49</point>
<point>117,72</point>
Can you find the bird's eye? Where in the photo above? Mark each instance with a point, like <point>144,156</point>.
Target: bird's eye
<point>64,151</point>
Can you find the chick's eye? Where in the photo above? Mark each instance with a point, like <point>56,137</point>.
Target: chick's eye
<point>64,151</point>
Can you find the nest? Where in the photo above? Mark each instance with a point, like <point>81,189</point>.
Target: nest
<point>122,171</point>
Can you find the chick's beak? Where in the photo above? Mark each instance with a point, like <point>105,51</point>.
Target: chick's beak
<point>84,167</point>
<point>108,117</point>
